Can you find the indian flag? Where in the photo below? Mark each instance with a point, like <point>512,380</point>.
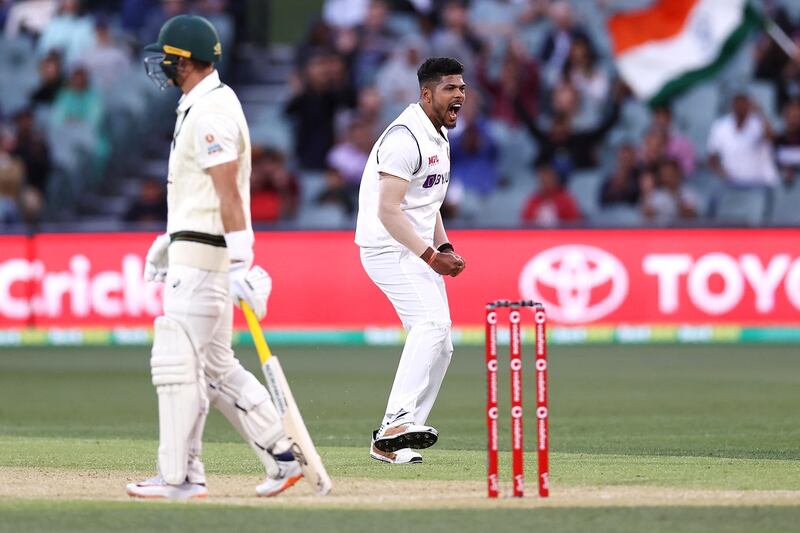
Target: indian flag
<point>672,44</point>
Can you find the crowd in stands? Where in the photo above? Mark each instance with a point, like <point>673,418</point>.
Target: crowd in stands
<point>549,134</point>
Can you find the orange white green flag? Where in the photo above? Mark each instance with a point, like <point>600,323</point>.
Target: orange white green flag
<point>670,45</point>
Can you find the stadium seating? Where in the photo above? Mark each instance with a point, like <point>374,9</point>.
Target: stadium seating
<point>585,187</point>
<point>742,206</point>
<point>786,207</point>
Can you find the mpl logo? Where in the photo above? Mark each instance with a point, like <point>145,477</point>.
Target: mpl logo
<point>575,282</point>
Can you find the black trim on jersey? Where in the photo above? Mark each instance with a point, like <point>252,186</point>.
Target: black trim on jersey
<point>419,151</point>
<point>196,236</point>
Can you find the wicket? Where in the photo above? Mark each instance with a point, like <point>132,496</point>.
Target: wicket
<point>515,365</point>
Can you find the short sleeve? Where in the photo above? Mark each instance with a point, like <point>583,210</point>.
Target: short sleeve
<point>399,154</point>
<point>216,140</point>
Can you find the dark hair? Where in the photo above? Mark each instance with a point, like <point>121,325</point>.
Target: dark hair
<point>200,64</point>
<point>662,108</point>
<point>434,68</point>
<point>672,163</point>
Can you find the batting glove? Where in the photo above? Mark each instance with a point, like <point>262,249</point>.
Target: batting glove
<point>253,286</point>
<point>157,260</point>
<point>240,247</point>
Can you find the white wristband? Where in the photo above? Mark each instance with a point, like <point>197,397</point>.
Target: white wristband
<point>240,245</point>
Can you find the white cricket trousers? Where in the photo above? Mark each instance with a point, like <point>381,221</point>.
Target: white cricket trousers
<point>419,297</point>
<point>199,301</point>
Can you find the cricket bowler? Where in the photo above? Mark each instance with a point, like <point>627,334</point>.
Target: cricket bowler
<point>405,251</point>
<point>205,260</point>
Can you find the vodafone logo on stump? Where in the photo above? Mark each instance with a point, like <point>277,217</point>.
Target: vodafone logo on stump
<point>576,283</point>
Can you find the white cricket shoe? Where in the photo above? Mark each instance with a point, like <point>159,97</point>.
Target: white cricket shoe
<point>289,473</point>
<point>404,456</point>
<point>156,488</point>
<point>405,434</point>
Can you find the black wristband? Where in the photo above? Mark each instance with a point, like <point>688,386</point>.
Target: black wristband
<point>446,248</point>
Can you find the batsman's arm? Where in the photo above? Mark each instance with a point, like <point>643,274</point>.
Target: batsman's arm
<point>230,201</point>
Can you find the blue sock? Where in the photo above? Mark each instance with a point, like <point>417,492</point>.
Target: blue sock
<point>284,457</point>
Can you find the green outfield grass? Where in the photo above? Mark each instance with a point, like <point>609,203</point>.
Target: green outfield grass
<point>679,417</point>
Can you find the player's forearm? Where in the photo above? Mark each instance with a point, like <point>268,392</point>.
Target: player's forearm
<point>439,234</point>
<point>232,213</point>
<point>231,206</point>
<point>399,227</point>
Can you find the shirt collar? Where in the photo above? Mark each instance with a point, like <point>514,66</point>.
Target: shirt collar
<point>427,125</point>
<point>206,85</point>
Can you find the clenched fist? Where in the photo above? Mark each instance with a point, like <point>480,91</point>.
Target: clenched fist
<point>445,263</point>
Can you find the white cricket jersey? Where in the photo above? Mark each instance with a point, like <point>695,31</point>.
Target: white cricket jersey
<point>210,130</point>
<point>412,149</point>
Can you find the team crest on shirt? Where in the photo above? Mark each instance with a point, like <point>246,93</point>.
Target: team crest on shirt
<point>435,179</point>
<point>212,147</point>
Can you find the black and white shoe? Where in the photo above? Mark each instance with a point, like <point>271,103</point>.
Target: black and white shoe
<point>405,434</point>
<point>403,456</point>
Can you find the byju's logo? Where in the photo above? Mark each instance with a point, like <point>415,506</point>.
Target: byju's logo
<point>435,179</point>
<point>577,283</point>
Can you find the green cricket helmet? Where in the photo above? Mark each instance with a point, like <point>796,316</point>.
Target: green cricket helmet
<point>184,36</point>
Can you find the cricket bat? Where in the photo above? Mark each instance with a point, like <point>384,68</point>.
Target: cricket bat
<point>302,446</point>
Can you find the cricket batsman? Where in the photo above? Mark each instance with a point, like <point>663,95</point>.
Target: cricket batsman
<point>405,251</point>
<point>206,262</point>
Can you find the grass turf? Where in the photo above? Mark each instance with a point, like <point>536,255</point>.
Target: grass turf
<point>86,517</point>
<point>717,417</point>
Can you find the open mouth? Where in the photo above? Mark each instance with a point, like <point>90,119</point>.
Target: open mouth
<point>452,111</point>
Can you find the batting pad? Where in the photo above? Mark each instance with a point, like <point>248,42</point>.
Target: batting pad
<point>246,404</point>
<point>173,366</point>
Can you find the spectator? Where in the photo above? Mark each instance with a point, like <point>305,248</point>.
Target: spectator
<point>773,64</point>
<point>157,16</point>
<point>653,150</point>
<point>740,147</point>
<point>151,205</point>
<point>51,80</point>
<point>337,192</point>
<point>552,204</point>
<point>345,13</point>
<point>473,151</point>
<point>12,177</point>
<point>107,59</point>
<point>397,80</point>
<point>70,32</point>
<point>275,191</point>
<point>369,108</point>
<point>374,43</point>
<point>27,17</point>
<point>80,104</point>
<point>319,39</point>
<point>216,11</point>
<point>558,42</point>
<point>319,94</point>
<point>349,157</point>
<point>622,186</point>
<point>518,79</point>
<point>563,148</point>
<point>665,198</point>
<point>455,37</point>
<point>565,101</point>
<point>677,146</point>
<point>32,149</point>
<point>582,72</point>
<point>787,145</point>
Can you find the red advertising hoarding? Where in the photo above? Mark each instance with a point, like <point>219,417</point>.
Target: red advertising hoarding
<point>745,277</point>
